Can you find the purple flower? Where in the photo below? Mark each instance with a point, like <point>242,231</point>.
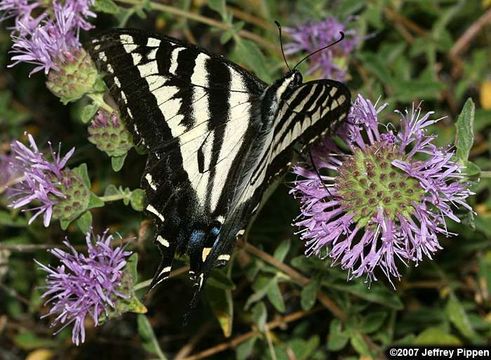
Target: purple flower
<point>84,285</point>
<point>386,198</point>
<point>41,179</point>
<point>309,37</point>
<point>48,38</point>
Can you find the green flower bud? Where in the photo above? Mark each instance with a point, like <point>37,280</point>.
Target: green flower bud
<point>107,132</point>
<point>77,76</point>
<point>76,197</point>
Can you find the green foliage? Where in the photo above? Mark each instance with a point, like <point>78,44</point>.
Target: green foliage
<point>271,301</point>
<point>149,340</point>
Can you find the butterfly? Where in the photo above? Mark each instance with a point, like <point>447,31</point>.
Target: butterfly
<point>215,134</point>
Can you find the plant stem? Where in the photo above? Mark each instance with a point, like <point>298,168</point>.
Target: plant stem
<point>114,197</point>
<point>98,100</point>
<point>485,174</point>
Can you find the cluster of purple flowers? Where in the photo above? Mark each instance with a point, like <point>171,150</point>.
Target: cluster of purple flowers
<point>85,285</point>
<point>45,36</point>
<point>384,199</point>
<point>40,178</point>
<point>312,36</point>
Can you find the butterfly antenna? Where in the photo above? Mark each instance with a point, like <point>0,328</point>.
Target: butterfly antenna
<point>281,44</point>
<point>321,49</point>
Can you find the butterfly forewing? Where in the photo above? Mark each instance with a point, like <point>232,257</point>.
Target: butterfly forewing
<point>213,145</point>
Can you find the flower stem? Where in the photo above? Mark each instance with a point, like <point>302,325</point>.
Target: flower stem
<point>485,174</point>
<point>114,197</point>
<point>98,100</point>
<point>205,20</point>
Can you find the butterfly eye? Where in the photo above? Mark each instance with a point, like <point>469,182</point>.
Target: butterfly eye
<point>298,78</point>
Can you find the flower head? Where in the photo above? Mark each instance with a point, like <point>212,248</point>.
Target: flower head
<point>386,198</point>
<point>41,179</point>
<point>108,133</point>
<point>47,38</point>
<point>309,37</point>
<point>84,285</point>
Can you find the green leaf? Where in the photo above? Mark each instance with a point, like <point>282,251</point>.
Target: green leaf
<point>111,190</point>
<point>275,296</point>
<point>248,53</point>
<point>131,267</point>
<point>88,112</point>
<point>94,201</point>
<point>282,250</point>
<point>465,131</point>
<point>308,296</point>
<point>260,287</point>
<point>359,344</point>
<point>219,7</point>
<point>244,350</point>
<point>84,222</point>
<point>304,349</point>
<point>471,169</point>
<point>64,223</point>
<point>259,315</point>
<point>230,33</point>
<point>377,66</point>
<point>27,340</point>
<point>106,6</point>
<point>137,199</point>
<point>220,280</point>
<point>117,162</point>
<point>337,337</point>
<point>148,338</point>
<point>372,322</point>
<point>458,317</point>
<point>83,173</point>
<point>436,336</point>
<point>221,303</point>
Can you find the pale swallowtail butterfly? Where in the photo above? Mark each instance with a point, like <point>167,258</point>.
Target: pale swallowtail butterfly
<point>216,136</point>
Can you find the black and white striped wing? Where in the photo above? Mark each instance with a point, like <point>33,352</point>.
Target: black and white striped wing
<point>307,113</point>
<point>311,111</point>
<point>193,111</point>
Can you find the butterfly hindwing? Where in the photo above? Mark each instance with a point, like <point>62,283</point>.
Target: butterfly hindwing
<point>215,134</point>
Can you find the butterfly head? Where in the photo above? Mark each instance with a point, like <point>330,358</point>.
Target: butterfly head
<point>290,81</point>
<point>293,78</point>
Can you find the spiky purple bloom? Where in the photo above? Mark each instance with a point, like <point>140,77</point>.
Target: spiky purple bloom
<point>84,285</point>
<point>386,198</point>
<point>48,36</point>
<point>312,36</point>
<point>40,181</point>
